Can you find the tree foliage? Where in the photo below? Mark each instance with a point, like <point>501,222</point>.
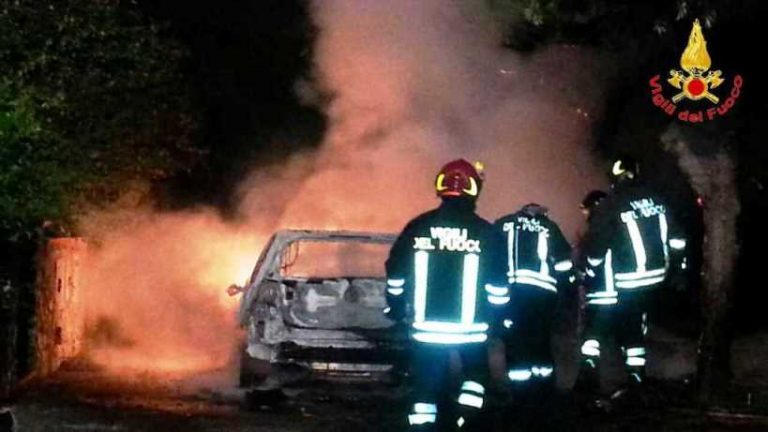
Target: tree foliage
<point>92,97</point>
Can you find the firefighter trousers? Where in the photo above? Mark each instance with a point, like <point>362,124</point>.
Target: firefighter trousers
<point>527,339</point>
<point>625,323</point>
<point>448,384</point>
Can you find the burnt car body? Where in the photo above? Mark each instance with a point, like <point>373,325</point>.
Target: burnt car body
<point>315,303</point>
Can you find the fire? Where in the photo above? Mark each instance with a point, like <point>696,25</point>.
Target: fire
<point>155,290</point>
<point>157,282</point>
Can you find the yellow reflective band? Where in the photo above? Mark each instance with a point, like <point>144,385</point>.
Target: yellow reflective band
<point>450,339</point>
<point>495,290</point>
<point>439,183</point>
<point>564,266</point>
<point>473,386</point>
<point>417,419</point>
<point>536,275</point>
<point>640,275</point>
<point>543,250</point>
<point>519,375</point>
<point>535,282</point>
<point>498,300</point>
<point>603,301</point>
<point>470,400</point>
<point>594,262</point>
<point>450,327</point>
<point>420,297</point>
<point>637,244</point>
<point>424,408</point>
<point>590,351</point>
<point>638,283</point>
<point>591,347</point>
<point>473,189</point>
<point>677,243</point>
<point>469,288</point>
<point>618,169</point>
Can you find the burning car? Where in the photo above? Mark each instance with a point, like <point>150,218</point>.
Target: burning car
<point>314,307</point>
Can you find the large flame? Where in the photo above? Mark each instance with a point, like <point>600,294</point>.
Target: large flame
<point>412,90</point>
<point>155,289</point>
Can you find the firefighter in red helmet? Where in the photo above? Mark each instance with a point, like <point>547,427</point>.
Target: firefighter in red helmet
<point>442,272</point>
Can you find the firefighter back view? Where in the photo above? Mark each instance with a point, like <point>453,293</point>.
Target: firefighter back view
<point>438,270</point>
<point>538,263</point>
<point>625,256</point>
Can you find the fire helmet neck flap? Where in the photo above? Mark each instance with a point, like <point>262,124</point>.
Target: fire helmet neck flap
<point>460,179</point>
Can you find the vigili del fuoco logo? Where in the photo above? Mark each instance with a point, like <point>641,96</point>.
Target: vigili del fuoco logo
<point>696,83</point>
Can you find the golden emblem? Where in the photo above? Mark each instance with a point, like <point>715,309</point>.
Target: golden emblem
<point>695,61</point>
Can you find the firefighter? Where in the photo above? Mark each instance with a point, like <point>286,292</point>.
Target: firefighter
<point>625,256</point>
<point>441,271</point>
<point>538,265</point>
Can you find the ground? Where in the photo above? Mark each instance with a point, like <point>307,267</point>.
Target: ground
<point>80,397</point>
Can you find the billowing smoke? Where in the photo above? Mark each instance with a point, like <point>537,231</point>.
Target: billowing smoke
<point>416,84</point>
<point>411,85</point>
<point>155,289</point>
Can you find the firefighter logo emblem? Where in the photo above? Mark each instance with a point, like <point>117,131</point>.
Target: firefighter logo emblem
<point>695,82</point>
<point>692,81</point>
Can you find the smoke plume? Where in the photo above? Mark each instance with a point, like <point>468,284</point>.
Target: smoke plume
<point>410,85</point>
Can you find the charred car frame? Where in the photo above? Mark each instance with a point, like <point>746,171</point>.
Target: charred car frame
<point>314,307</point>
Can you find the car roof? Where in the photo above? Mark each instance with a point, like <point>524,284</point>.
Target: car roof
<point>288,235</point>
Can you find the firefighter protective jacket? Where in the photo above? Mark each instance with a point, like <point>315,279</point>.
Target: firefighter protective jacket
<point>628,241</point>
<point>537,252</point>
<point>440,270</point>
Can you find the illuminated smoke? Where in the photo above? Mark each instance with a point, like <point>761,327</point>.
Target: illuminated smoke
<point>414,84</point>
<point>155,289</point>
<point>418,83</point>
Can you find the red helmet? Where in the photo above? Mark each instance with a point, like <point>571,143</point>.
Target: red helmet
<point>459,178</point>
